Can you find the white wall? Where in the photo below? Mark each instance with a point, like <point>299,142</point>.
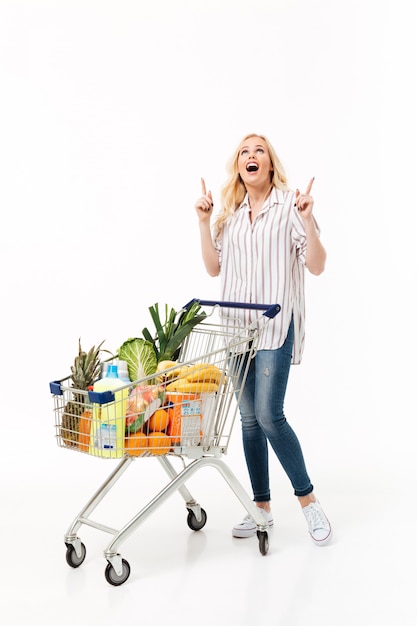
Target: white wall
<point>110,114</point>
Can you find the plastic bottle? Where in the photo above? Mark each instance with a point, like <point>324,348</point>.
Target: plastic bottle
<point>109,419</point>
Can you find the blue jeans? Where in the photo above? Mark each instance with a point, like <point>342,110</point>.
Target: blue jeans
<point>261,408</point>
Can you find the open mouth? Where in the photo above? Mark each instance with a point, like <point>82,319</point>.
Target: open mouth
<point>252,167</point>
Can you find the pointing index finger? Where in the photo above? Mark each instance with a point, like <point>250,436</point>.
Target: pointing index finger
<point>203,187</point>
<point>309,186</point>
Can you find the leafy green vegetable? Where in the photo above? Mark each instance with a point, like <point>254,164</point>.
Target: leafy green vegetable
<point>140,357</point>
<point>143,354</point>
<point>171,333</point>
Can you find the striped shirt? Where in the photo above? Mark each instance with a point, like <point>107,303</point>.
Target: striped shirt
<point>263,262</point>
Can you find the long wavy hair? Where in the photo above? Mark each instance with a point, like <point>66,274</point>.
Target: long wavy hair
<point>234,190</point>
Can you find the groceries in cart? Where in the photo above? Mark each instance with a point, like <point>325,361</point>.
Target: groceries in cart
<point>143,400</point>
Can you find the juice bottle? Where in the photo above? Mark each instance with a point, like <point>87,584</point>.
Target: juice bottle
<point>109,419</point>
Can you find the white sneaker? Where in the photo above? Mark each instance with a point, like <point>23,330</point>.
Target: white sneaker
<point>248,527</point>
<point>318,525</point>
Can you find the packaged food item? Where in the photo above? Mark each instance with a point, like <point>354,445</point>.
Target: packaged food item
<point>142,403</point>
<point>185,418</point>
<point>84,431</point>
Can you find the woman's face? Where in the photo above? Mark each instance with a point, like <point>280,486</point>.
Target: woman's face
<point>254,163</point>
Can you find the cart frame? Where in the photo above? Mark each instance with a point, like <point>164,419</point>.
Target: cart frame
<point>202,455</point>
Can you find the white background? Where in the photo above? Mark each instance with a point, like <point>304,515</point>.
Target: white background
<point>110,114</point>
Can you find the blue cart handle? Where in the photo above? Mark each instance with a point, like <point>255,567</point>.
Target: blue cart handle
<point>271,310</point>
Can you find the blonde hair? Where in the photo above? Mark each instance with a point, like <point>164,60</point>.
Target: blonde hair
<point>234,190</point>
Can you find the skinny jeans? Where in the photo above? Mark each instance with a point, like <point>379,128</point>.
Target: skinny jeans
<point>261,408</point>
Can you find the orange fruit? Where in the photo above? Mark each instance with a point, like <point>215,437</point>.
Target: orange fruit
<point>136,444</point>
<point>159,443</point>
<point>158,421</point>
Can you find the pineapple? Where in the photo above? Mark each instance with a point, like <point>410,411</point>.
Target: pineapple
<point>84,372</point>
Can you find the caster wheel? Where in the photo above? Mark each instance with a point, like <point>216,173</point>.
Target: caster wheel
<point>72,559</point>
<point>193,522</point>
<point>263,541</point>
<point>113,578</point>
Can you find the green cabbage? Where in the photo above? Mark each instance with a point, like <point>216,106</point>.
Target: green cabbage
<point>140,357</point>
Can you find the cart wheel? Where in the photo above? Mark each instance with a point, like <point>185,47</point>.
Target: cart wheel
<point>115,579</point>
<point>263,541</point>
<point>72,559</point>
<point>193,522</point>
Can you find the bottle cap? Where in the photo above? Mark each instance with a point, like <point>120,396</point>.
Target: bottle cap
<point>112,371</point>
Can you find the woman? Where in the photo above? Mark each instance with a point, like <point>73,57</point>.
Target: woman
<point>261,241</point>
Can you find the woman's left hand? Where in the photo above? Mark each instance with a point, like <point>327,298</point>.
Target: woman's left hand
<point>304,201</point>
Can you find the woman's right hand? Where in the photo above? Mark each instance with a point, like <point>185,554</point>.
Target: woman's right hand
<point>204,205</point>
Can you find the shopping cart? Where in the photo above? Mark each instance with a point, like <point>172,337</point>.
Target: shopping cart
<point>195,401</point>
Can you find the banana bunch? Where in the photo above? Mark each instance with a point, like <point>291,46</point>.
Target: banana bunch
<point>198,378</point>
<point>168,370</point>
